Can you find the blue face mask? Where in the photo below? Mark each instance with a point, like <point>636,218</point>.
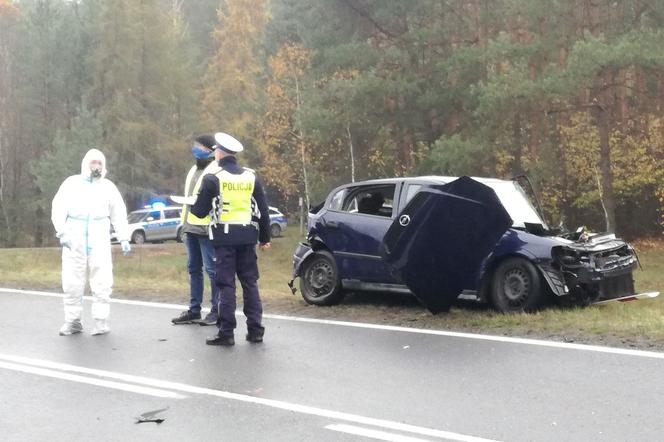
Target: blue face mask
<point>200,153</point>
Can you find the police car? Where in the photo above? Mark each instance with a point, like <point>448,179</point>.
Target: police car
<point>278,222</point>
<point>154,223</point>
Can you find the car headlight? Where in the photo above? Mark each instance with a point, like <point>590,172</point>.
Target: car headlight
<point>566,257</point>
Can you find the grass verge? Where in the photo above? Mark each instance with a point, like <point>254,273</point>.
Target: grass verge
<point>159,273</point>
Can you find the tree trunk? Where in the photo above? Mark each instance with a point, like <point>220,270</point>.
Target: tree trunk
<point>564,175</point>
<point>5,88</point>
<point>534,137</point>
<point>301,141</point>
<point>607,196</point>
<point>39,227</point>
<point>5,226</point>
<point>352,154</point>
<point>517,167</point>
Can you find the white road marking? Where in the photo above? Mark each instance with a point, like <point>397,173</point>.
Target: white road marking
<point>374,434</point>
<point>297,408</point>
<point>91,381</point>
<point>482,337</point>
<point>89,298</point>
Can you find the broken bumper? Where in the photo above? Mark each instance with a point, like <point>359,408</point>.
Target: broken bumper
<point>597,274</point>
<point>302,252</point>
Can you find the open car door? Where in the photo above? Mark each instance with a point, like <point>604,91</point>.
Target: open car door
<point>439,240</point>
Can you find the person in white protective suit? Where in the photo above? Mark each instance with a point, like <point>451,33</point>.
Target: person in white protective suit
<point>82,211</point>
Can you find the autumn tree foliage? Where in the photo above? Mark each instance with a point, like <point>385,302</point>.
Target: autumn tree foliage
<point>232,97</point>
<point>323,92</point>
<point>284,147</point>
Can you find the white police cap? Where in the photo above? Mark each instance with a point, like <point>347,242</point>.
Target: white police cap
<point>227,143</point>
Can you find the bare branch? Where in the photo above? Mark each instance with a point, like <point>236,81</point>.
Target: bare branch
<point>574,108</point>
<point>366,16</point>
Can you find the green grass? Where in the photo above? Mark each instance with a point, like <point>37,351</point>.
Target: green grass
<point>150,272</point>
<point>158,273</point>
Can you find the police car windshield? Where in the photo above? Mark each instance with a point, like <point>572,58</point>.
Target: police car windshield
<point>516,203</point>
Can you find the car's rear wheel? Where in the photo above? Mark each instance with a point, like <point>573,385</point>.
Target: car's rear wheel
<point>517,286</point>
<point>319,280</point>
<point>138,237</point>
<point>275,230</point>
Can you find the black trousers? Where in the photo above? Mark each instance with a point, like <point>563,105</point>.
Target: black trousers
<point>241,261</point>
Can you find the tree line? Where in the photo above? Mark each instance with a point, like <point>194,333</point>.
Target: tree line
<point>323,92</point>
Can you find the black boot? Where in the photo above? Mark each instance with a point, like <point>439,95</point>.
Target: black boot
<point>226,341</point>
<point>255,335</point>
<point>187,317</point>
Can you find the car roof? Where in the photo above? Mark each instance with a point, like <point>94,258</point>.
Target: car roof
<point>155,209</point>
<point>431,178</point>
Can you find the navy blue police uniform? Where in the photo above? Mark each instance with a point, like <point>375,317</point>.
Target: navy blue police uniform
<point>235,243</point>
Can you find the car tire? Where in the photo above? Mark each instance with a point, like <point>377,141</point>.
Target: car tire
<point>138,237</point>
<point>275,230</point>
<point>516,286</point>
<point>319,280</point>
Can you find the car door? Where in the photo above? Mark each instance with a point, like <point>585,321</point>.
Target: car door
<point>354,232</point>
<point>171,223</point>
<point>441,237</point>
<point>154,230</point>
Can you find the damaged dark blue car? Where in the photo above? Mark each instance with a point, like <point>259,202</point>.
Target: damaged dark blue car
<point>444,238</point>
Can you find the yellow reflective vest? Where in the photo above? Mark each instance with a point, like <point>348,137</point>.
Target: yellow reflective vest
<point>235,193</point>
<point>186,215</point>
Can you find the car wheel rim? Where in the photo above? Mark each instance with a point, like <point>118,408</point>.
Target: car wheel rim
<point>321,278</point>
<point>516,286</point>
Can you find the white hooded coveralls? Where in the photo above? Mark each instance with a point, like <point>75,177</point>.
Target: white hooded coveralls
<point>83,209</point>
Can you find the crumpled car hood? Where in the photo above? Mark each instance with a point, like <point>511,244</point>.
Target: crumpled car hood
<point>599,243</point>
<point>438,242</point>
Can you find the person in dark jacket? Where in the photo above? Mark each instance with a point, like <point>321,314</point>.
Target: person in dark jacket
<point>229,196</point>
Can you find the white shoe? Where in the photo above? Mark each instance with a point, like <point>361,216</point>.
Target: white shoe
<point>101,327</point>
<point>71,328</point>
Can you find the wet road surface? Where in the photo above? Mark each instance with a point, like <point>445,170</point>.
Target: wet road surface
<point>310,380</point>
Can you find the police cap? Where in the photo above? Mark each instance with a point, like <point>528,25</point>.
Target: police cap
<point>227,143</point>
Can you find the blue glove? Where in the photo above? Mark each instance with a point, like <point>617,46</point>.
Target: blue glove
<point>65,241</point>
<point>125,247</point>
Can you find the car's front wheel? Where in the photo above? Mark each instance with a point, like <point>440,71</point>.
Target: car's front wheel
<point>319,280</point>
<point>138,237</point>
<point>516,287</point>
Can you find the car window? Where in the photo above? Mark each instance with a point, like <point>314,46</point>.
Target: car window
<point>338,199</point>
<point>136,217</point>
<point>172,214</point>
<point>370,200</point>
<point>411,191</point>
<point>273,212</point>
<point>155,215</point>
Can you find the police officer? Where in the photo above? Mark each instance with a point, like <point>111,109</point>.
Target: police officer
<point>228,196</point>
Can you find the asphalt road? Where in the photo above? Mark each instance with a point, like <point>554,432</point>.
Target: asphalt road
<point>310,380</point>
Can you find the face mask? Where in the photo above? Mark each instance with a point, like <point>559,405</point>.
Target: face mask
<point>200,154</point>
<point>95,173</point>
